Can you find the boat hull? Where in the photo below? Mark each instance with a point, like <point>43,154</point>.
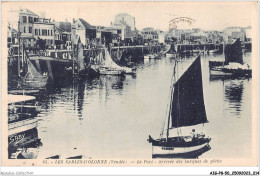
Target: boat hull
<point>22,125</point>
<point>179,147</point>
<point>217,69</point>
<point>180,152</point>
<point>35,82</point>
<point>110,72</point>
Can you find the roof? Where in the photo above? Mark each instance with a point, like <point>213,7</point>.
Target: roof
<point>86,24</point>
<point>19,98</point>
<point>27,11</point>
<point>65,26</point>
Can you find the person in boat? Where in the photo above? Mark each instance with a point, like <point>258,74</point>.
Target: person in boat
<point>194,134</point>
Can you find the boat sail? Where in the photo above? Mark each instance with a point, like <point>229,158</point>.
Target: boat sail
<point>233,66</point>
<point>186,108</point>
<point>110,67</point>
<point>33,79</point>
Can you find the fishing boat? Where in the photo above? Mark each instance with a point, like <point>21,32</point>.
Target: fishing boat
<point>24,145</point>
<point>111,68</point>
<point>186,109</point>
<point>22,126</point>
<point>33,79</point>
<point>233,66</point>
<point>22,111</point>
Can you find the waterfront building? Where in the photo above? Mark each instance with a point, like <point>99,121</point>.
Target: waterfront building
<point>33,27</point>
<point>44,29</point>
<point>104,35</point>
<point>198,37</point>
<point>161,37</point>
<point>182,36</point>
<point>62,32</point>
<point>83,30</point>
<point>25,26</point>
<point>121,32</point>
<point>149,34</point>
<point>11,36</point>
<point>125,19</point>
<point>215,37</point>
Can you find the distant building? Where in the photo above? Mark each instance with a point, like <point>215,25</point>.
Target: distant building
<point>150,34</point>
<point>182,36</point>
<point>230,34</point>
<point>33,27</point>
<point>11,36</point>
<point>199,37</point>
<point>104,35</point>
<point>125,19</point>
<point>161,37</point>
<point>62,32</point>
<point>215,37</point>
<point>83,30</point>
<point>44,29</point>
<point>121,32</point>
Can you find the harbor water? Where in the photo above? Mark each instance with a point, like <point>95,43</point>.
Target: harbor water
<point>112,116</point>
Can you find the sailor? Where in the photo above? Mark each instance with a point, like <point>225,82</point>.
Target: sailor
<point>194,134</point>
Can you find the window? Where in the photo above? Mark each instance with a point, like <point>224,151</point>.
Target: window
<point>36,31</point>
<point>30,29</point>
<point>39,31</point>
<point>24,30</point>
<point>51,32</point>
<point>44,32</point>
<point>24,19</point>
<point>35,19</point>
<point>48,32</point>
<point>30,19</point>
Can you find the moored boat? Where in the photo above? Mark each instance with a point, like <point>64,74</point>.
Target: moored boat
<point>233,66</point>
<point>111,68</point>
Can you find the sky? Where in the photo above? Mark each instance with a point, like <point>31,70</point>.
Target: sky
<point>207,15</point>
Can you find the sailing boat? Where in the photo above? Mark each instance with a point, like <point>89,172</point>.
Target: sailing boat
<point>186,108</point>
<point>233,66</point>
<point>111,68</point>
<point>33,79</point>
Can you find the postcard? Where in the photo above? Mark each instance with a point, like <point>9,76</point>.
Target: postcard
<point>138,83</point>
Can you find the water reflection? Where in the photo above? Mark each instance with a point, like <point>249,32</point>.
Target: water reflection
<point>91,116</point>
<point>233,95</point>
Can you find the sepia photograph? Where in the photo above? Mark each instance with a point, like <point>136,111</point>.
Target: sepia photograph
<point>129,83</point>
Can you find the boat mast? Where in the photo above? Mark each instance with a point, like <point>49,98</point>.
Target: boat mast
<point>18,48</point>
<point>170,109</point>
